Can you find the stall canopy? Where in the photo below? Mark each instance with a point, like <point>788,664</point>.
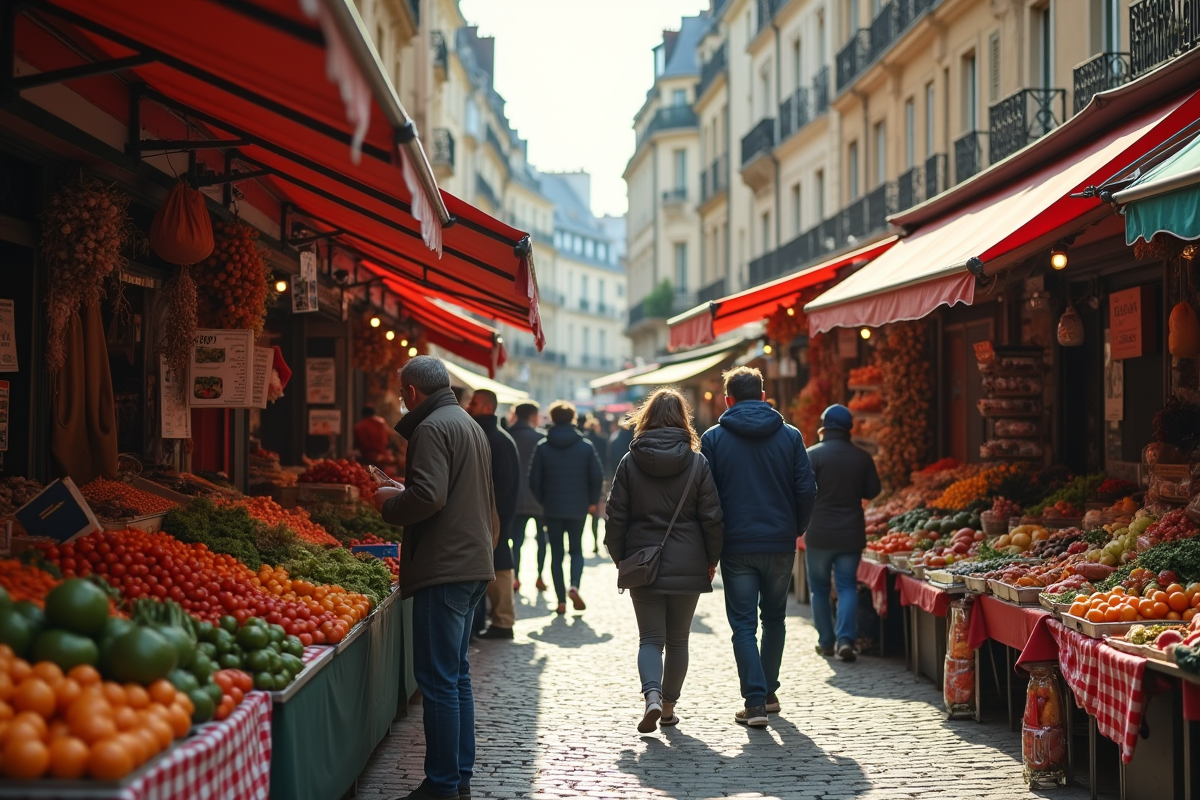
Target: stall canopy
<point>939,264</point>
<point>680,368</point>
<point>505,395</point>
<point>249,79</point>
<point>703,323</point>
<point>1166,199</point>
<point>618,379</point>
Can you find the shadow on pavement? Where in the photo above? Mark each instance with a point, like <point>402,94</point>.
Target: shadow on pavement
<point>569,632</point>
<point>778,761</point>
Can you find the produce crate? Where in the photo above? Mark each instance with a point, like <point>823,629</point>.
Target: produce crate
<point>876,556</point>
<point>305,493</point>
<point>900,561</point>
<point>1057,609</point>
<point>1099,630</point>
<point>90,789</point>
<point>1018,595</point>
<point>148,522</point>
<point>976,585</point>
<point>1143,650</point>
<point>159,490</point>
<point>918,571</point>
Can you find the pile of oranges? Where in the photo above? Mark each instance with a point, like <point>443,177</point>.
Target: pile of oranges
<point>75,725</point>
<point>348,608</point>
<point>1172,602</point>
<point>25,581</point>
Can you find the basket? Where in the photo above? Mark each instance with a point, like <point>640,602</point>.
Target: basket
<point>993,525</point>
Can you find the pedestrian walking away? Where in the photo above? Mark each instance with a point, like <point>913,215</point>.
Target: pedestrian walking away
<point>591,429</point>
<point>448,510</point>
<point>766,487</point>
<point>506,479</point>
<point>565,478</point>
<point>663,496</point>
<point>526,434</point>
<point>837,532</point>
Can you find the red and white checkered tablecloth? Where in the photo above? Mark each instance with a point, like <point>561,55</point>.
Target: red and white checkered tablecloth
<point>1107,683</point>
<point>228,760</point>
<point>313,651</point>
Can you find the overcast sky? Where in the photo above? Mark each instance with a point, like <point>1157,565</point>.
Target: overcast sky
<point>573,73</point>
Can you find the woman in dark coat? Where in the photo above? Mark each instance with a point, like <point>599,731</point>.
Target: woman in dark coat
<point>647,488</point>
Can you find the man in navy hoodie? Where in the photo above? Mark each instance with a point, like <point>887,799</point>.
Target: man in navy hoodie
<point>767,491</point>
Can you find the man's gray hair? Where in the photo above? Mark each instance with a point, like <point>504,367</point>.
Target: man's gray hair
<point>426,373</point>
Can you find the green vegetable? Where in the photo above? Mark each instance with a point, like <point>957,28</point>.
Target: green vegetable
<point>252,637</point>
<point>185,647</point>
<point>1188,658</point>
<point>259,661</point>
<point>65,649</point>
<point>293,646</point>
<point>291,664</point>
<point>207,648</point>
<point>282,679</point>
<point>1098,536</point>
<point>113,630</point>
<point>276,632</point>
<point>16,631</point>
<point>229,624</point>
<point>264,681</point>
<point>344,525</point>
<point>203,668</point>
<point>1076,492</point>
<point>183,680</point>
<point>35,616</point>
<point>206,631</point>
<point>223,528</point>
<point>142,656</point>
<point>1181,556</point>
<point>203,704</point>
<point>230,661</point>
<point>214,692</point>
<point>360,573</point>
<point>6,600</point>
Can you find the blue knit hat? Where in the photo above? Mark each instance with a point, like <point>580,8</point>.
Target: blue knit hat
<point>837,416</point>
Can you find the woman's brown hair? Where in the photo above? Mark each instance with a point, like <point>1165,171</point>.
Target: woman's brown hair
<point>664,408</point>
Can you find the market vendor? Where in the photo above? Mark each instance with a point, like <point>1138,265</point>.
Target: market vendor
<point>372,437</point>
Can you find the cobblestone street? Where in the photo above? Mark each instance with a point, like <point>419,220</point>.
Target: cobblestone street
<point>557,710</point>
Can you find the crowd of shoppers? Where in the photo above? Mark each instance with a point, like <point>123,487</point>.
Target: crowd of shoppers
<point>678,506</point>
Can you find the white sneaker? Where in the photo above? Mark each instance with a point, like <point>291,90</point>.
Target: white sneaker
<point>653,712</point>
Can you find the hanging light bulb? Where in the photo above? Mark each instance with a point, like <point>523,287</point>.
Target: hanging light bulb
<point>404,342</point>
<point>791,312</point>
<point>708,395</point>
<point>281,286</point>
<point>1058,258</point>
<point>374,322</point>
<point>390,335</point>
<point>767,349</point>
<point>865,333</point>
<point>412,352</point>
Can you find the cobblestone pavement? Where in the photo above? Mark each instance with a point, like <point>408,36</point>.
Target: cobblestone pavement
<point>557,710</point>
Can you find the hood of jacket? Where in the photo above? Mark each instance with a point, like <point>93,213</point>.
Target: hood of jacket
<point>753,418</point>
<point>487,421</point>
<point>662,452</point>
<point>409,422</point>
<point>563,435</point>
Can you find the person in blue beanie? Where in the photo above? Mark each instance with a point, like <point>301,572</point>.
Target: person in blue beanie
<point>837,533</point>
<point>766,489</point>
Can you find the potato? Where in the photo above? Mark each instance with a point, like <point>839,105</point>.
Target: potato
<point>1021,541</point>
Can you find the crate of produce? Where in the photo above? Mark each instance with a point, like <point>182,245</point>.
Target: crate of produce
<point>160,490</point>
<point>900,561</point>
<point>147,522</point>
<point>943,577</point>
<point>1057,609</point>
<point>918,571</point>
<point>876,556</point>
<point>976,585</point>
<point>1098,630</point>
<point>310,493</point>
<point>1143,650</point>
<point>385,550</point>
<point>1018,595</point>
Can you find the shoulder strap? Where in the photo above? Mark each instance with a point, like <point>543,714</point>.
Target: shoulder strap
<point>686,489</point>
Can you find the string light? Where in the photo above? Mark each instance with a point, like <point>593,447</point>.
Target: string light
<point>865,333</point>
<point>404,342</point>
<point>281,286</point>
<point>767,349</point>
<point>412,352</point>
<point>1058,258</point>
<point>791,312</point>
<point>390,335</point>
<point>374,322</point>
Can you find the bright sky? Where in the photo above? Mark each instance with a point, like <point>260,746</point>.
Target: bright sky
<point>573,73</point>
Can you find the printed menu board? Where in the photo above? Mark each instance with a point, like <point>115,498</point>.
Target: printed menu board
<point>321,380</point>
<point>263,357</point>
<point>221,369</point>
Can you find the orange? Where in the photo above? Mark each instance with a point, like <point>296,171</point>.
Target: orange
<point>180,720</point>
<point>68,691</point>
<point>24,731</point>
<point>126,718</point>
<point>139,748</point>
<point>185,701</point>
<point>1128,613</point>
<point>1196,600</point>
<point>26,759</point>
<point>34,694</point>
<point>115,693</point>
<point>1188,613</point>
<point>136,696</point>
<point>58,729</point>
<point>6,711</point>
<point>161,729</point>
<point>84,675</point>
<point>1078,610</point>
<point>1146,608</point>
<point>68,757</point>
<point>1178,601</point>
<point>1192,588</point>
<point>1112,614</point>
<point>1161,609</point>
<point>149,742</point>
<point>89,705</point>
<point>1173,588</point>
<point>32,718</point>
<point>1117,590</point>
<point>93,728</point>
<point>6,686</point>
<point>19,670</point>
<point>1095,615</point>
<point>109,760</point>
<point>161,691</point>
<point>1159,596</point>
<point>1174,615</point>
<point>48,671</point>
<point>6,652</point>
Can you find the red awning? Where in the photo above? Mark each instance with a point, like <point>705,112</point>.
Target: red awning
<point>938,264</point>
<point>703,323</point>
<point>254,75</point>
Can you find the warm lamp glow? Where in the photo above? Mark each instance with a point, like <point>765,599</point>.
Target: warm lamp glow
<point>390,335</point>
<point>374,322</point>
<point>412,352</point>
<point>1058,258</point>
<point>791,312</point>
<point>708,395</point>
<point>281,286</point>
<point>404,342</point>
<point>865,333</point>
<point>767,349</point>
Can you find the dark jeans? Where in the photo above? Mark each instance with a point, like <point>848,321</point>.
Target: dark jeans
<point>663,620</point>
<point>518,539</point>
<point>757,582</point>
<point>440,636</point>
<point>843,566</point>
<point>572,529</point>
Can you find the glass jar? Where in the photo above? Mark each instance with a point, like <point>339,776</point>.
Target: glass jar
<point>1044,729</point>
<point>958,680</point>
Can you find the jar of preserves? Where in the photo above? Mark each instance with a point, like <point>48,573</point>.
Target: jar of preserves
<point>958,681</point>
<point>1044,729</point>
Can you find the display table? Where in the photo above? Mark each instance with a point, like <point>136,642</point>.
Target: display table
<point>874,576</point>
<point>351,700</point>
<point>1023,628</point>
<point>923,595</point>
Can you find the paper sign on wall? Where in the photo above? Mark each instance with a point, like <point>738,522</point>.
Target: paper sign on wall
<point>8,337</point>
<point>1131,319</point>
<point>263,357</point>
<point>1114,384</point>
<point>220,369</point>
<point>304,285</point>
<point>847,341</point>
<point>320,380</point>
<point>324,421</point>
<point>176,415</point>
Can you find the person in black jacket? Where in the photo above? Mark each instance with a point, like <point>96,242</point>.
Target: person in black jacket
<point>591,429</point>
<point>565,478</point>
<point>647,489</point>
<point>618,446</point>
<point>837,532</point>
<point>506,478</point>
<point>526,434</point>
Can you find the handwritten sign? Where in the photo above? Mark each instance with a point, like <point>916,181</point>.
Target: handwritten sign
<point>1131,320</point>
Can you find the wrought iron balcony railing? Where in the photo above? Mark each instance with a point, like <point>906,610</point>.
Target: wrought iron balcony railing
<point>442,147</point>
<point>909,188</point>
<point>968,156</point>
<point>1023,117</point>
<point>715,179</point>
<point>760,139</point>
<point>1105,71</point>
<point>868,45</point>
<point>937,176</point>
<point>1160,30</point>
<point>668,118</point>
<point>820,91</point>
<point>853,57</point>
<point>677,195</point>
<point>494,140</point>
<point>441,53</point>
<point>715,65</point>
<point>794,113</point>
<point>713,291</point>
<point>881,201</point>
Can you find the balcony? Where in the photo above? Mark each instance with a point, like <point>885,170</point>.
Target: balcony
<point>767,9</point>
<point>1105,71</point>
<point>714,67</point>
<point>669,118</point>
<point>756,149</point>
<point>715,179</point>
<point>937,175</point>
<point>794,113</point>
<point>1023,117</point>
<point>676,196</point>
<point>649,310</point>
<point>494,140</point>
<point>484,190</point>
<point>853,58</point>
<point>909,187</point>
<point>881,202</point>
<point>1160,30</point>
<point>584,304</point>
<point>529,351</point>
<point>441,153</point>
<point>713,291</point>
<point>820,92</point>
<point>968,156</point>
<point>441,55</point>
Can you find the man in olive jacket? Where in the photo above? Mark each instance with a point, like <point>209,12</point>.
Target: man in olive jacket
<point>448,510</point>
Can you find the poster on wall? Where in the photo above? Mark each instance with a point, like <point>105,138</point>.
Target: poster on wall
<point>324,421</point>
<point>847,343</point>
<point>1131,317</point>
<point>304,285</point>
<point>1114,383</point>
<point>4,393</point>
<point>263,358</point>
<point>8,337</point>
<point>176,415</point>
<point>320,380</point>
<point>220,369</point>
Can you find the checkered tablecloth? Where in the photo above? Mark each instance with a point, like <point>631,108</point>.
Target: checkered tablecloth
<point>313,651</point>
<point>228,760</point>
<point>1107,683</point>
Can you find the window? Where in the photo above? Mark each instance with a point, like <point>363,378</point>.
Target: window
<point>797,64</point>
<point>679,97</point>
<point>910,133</point>
<point>764,82</point>
<point>796,221</point>
<point>600,291</point>
<point>930,99</point>
<point>819,180</point>
<point>854,17</point>
<point>1043,47</point>
<point>1106,26</point>
<point>680,161</point>
<point>587,341</point>
<point>589,248</point>
<point>970,96</point>
<point>660,60</point>
<point>570,338</point>
<point>620,290</point>
<point>577,244</point>
<point>583,293</point>
<point>681,270</point>
<point>765,238</point>
<point>558,240</point>
<point>821,38</point>
<point>603,342</point>
<point>994,67</point>
<point>601,252</point>
<point>852,169</point>
<point>880,152</point>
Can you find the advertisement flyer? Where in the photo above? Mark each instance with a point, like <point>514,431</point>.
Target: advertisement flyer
<point>8,337</point>
<point>324,421</point>
<point>176,415</point>
<point>304,285</point>
<point>321,380</point>
<point>220,369</point>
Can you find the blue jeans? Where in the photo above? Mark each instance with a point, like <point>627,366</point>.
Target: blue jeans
<point>572,529</point>
<point>757,582</point>
<point>518,539</point>
<point>844,568</point>
<point>440,635</point>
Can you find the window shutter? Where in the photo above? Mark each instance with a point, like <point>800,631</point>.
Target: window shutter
<point>994,60</point>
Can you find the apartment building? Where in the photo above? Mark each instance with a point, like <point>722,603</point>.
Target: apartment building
<point>663,239</point>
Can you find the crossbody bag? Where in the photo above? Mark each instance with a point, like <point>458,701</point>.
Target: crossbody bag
<point>640,568</point>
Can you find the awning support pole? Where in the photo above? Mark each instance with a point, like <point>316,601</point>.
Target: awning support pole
<point>81,71</point>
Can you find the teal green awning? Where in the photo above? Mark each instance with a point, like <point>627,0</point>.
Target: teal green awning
<point>1166,199</point>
